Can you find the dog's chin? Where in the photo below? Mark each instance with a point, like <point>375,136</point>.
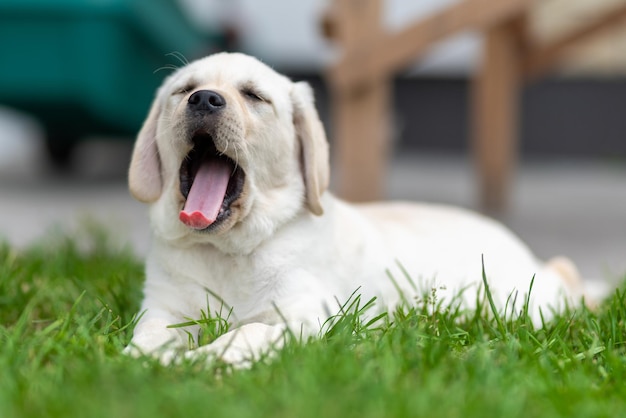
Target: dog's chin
<point>212,188</point>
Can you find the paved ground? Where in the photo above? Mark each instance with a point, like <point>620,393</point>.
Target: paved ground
<point>574,208</point>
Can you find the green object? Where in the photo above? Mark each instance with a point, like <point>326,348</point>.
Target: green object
<point>91,67</point>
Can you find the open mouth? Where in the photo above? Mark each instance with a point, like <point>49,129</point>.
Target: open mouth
<point>210,182</point>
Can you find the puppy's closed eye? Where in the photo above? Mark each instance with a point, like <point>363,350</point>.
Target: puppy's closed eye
<point>188,88</point>
<point>253,94</point>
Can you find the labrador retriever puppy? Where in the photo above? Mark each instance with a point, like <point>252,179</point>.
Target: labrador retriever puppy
<point>234,163</point>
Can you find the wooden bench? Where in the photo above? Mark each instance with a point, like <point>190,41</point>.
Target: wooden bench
<point>360,84</point>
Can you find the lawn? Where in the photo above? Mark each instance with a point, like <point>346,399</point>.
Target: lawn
<point>67,311</point>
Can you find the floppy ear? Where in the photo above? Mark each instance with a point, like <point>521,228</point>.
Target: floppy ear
<point>144,174</point>
<point>314,146</point>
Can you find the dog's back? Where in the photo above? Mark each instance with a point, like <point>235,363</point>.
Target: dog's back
<point>445,248</point>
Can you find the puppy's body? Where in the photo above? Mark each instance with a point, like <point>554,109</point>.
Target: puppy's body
<point>283,252</point>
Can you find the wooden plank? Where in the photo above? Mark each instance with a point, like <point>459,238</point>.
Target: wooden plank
<point>495,109</point>
<point>390,52</point>
<point>542,58</point>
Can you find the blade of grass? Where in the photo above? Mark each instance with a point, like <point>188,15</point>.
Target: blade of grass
<point>492,305</point>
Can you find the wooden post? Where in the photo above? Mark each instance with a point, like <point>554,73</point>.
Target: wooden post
<point>495,111</point>
<point>363,143</point>
<point>360,112</point>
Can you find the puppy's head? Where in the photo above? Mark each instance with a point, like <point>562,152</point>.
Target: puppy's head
<point>229,145</point>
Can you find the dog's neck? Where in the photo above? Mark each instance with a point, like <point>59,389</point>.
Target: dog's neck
<point>242,240</point>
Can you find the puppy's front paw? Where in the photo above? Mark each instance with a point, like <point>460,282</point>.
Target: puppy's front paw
<point>164,355</point>
<point>243,346</point>
<point>153,338</point>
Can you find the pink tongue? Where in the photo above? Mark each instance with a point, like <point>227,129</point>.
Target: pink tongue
<point>207,194</point>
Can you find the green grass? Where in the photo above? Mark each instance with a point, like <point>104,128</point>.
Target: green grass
<point>67,310</point>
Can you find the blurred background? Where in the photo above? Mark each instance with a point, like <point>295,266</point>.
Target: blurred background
<point>77,78</point>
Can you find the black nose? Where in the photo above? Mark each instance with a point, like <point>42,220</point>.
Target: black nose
<point>206,100</point>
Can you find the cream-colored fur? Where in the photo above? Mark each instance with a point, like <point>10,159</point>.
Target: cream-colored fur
<point>290,251</point>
